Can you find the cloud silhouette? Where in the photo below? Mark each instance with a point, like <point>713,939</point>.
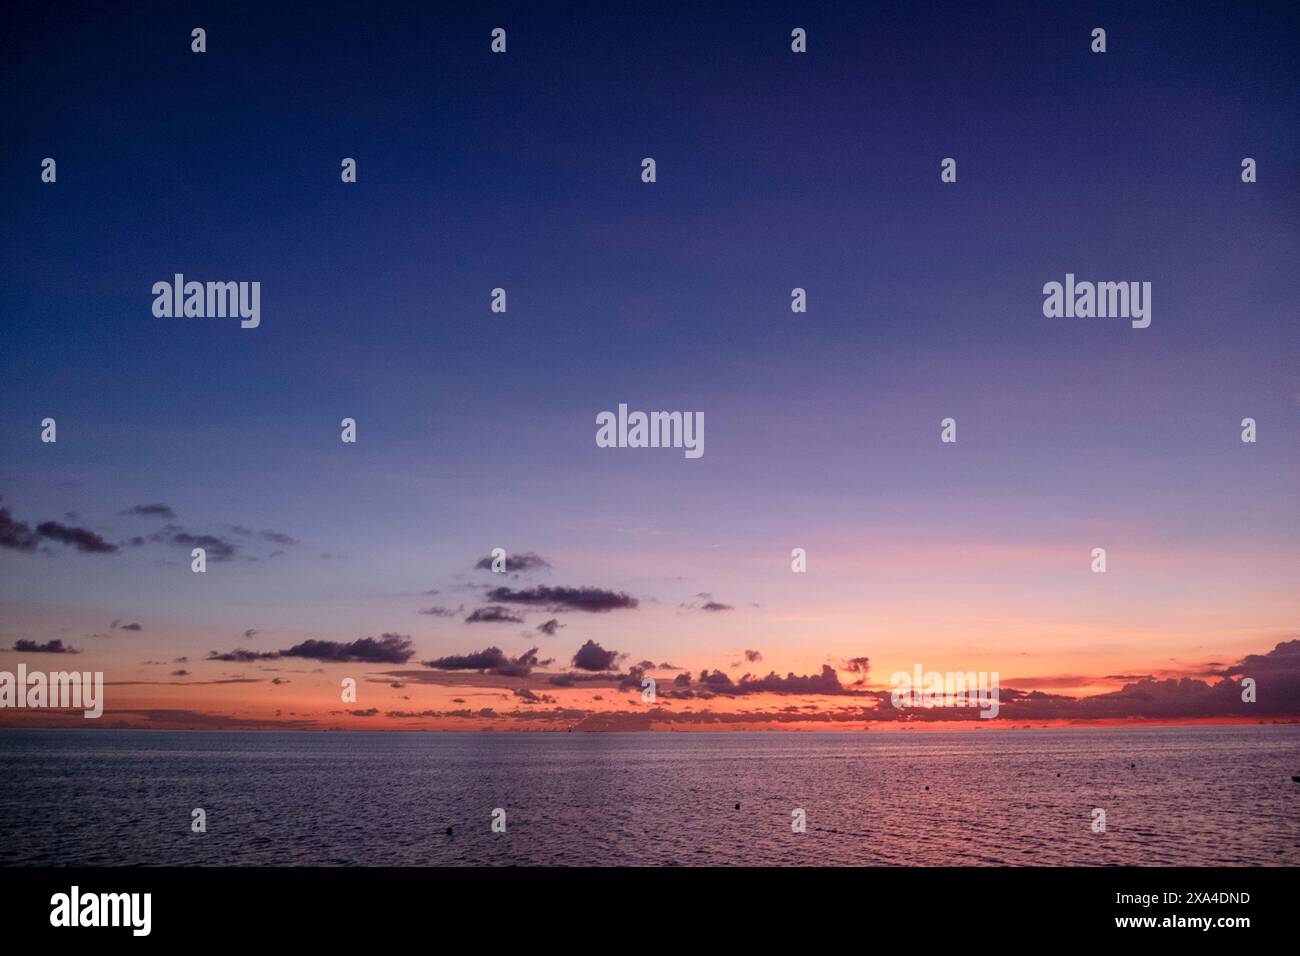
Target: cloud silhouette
<point>528,561</point>
<point>592,657</point>
<point>16,534</point>
<point>594,600</point>
<point>217,549</point>
<point>493,614</point>
<point>55,646</point>
<point>82,539</point>
<point>150,511</point>
<point>241,656</point>
<point>385,649</point>
<point>440,611</point>
<point>489,660</point>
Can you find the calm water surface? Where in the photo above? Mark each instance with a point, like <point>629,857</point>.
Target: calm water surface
<point>1196,796</point>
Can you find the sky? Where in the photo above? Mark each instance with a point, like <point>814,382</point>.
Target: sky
<point>476,430</point>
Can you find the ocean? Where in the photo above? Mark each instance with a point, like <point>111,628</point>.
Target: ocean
<point>1171,796</point>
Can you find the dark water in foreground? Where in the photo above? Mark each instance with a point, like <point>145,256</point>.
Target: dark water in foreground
<point>1197,796</point>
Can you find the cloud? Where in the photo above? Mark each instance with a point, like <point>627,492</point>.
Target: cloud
<point>278,537</point>
<point>592,657</point>
<point>440,611</point>
<point>241,656</point>
<point>1283,658</point>
<point>858,667</point>
<point>550,627</point>
<point>489,660</point>
<point>218,549</point>
<point>250,634</point>
<point>126,627</point>
<point>19,536</point>
<point>528,561</point>
<point>55,646</point>
<point>528,697</point>
<point>753,657</point>
<point>386,649</point>
<point>82,539</point>
<point>827,682</point>
<point>715,606</point>
<point>16,534</point>
<point>594,600</point>
<point>150,511</point>
<point>493,614</point>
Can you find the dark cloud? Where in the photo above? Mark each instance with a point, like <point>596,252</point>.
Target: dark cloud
<point>489,660</point>
<point>150,511</point>
<point>827,682</point>
<point>217,549</point>
<point>716,606</point>
<point>592,657</point>
<point>181,673</point>
<point>493,614</point>
<point>528,697</point>
<point>55,646</point>
<point>127,627</point>
<point>753,657</point>
<point>280,680</point>
<point>859,667</point>
<point>528,561</point>
<point>250,634</point>
<point>595,600</point>
<point>385,649</point>
<point>440,611</point>
<point>550,627</point>
<point>241,656</point>
<point>1284,658</point>
<point>278,537</point>
<point>16,534</point>
<point>82,539</point>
